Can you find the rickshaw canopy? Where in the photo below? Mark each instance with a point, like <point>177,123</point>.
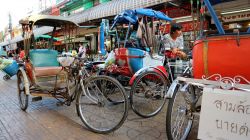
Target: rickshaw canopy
<point>152,13</point>
<point>131,16</point>
<point>47,20</point>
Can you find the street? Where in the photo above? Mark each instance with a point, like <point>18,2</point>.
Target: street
<point>44,120</point>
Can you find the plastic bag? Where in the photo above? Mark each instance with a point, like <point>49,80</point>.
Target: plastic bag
<point>4,63</point>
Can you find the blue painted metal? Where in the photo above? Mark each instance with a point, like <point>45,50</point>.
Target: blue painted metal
<point>248,30</point>
<point>135,63</point>
<point>214,16</point>
<point>102,38</point>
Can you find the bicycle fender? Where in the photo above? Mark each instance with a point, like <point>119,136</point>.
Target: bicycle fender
<point>159,69</point>
<point>131,81</point>
<point>172,89</point>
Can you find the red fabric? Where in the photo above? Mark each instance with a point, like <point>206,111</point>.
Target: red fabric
<point>170,54</point>
<point>22,54</point>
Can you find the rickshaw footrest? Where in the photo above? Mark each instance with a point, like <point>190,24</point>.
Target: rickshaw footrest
<point>34,99</point>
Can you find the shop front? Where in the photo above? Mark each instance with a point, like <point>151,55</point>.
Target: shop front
<point>191,23</point>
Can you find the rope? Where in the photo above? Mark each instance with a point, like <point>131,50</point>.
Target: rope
<point>205,57</point>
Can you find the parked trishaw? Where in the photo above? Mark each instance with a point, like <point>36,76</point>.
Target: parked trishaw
<point>220,61</point>
<point>137,61</point>
<point>100,101</point>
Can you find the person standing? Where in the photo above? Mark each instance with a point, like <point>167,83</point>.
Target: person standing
<point>82,51</point>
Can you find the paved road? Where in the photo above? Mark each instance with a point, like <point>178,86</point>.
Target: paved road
<point>44,120</point>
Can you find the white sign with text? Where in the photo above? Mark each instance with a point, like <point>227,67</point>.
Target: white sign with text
<point>225,115</point>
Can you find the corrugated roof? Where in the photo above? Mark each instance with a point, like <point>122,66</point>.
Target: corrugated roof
<point>111,8</point>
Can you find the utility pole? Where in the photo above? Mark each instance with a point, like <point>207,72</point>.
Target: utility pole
<point>10,25</point>
<point>10,29</point>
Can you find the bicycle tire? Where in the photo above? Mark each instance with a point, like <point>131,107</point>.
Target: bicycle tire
<point>6,77</point>
<point>140,101</point>
<point>169,126</point>
<point>90,115</point>
<point>22,97</point>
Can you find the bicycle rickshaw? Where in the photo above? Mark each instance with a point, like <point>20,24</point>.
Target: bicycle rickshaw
<point>100,101</point>
<point>134,62</point>
<point>218,61</point>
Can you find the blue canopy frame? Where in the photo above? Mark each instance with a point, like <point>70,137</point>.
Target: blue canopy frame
<point>131,16</point>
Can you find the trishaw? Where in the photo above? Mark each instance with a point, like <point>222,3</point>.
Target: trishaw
<point>100,101</point>
<point>218,61</point>
<point>136,61</point>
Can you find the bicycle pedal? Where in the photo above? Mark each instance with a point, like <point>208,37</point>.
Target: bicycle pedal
<point>198,108</point>
<point>35,99</point>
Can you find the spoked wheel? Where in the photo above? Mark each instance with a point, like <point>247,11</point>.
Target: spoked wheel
<point>103,104</point>
<point>147,94</point>
<point>6,77</point>
<point>23,98</point>
<point>179,118</point>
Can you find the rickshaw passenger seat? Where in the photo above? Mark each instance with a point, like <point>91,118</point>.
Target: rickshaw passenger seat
<point>45,62</point>
<point>47,71</point>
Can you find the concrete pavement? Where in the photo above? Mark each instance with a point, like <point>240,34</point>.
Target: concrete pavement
<point>44,120</point>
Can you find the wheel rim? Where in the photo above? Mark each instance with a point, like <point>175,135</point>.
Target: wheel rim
<point>181,118</point>
<point>148,97</point>
<point>100,110</point>
<point>21,91</point>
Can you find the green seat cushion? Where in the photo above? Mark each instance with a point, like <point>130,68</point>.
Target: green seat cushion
<point>44,58</point>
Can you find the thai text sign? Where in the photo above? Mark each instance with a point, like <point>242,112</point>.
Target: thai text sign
<point>225,115</point>
<point>236,17</point>
<point>186,26</point>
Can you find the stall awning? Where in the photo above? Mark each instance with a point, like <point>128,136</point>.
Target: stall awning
<point>112,8</point>
<point>37,32</point>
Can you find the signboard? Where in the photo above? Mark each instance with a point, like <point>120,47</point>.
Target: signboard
<point>225,115</point>
<point>236,17</point>
<point>186,26</point>
<point>174,12</point>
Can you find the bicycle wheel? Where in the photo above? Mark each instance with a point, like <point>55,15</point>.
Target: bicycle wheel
<point>147,94</point>
<point>23,98</point>
<point>6,77</point>
<point>179,118</point>
<point>103,104</point>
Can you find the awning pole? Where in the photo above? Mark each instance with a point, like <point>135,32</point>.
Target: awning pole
<point>214,16</point>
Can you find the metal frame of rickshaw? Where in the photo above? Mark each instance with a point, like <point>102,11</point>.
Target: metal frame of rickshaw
<point>131,17</point>
<point>191,89</point>
<point>74,76</point>
<point>125,19</point>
